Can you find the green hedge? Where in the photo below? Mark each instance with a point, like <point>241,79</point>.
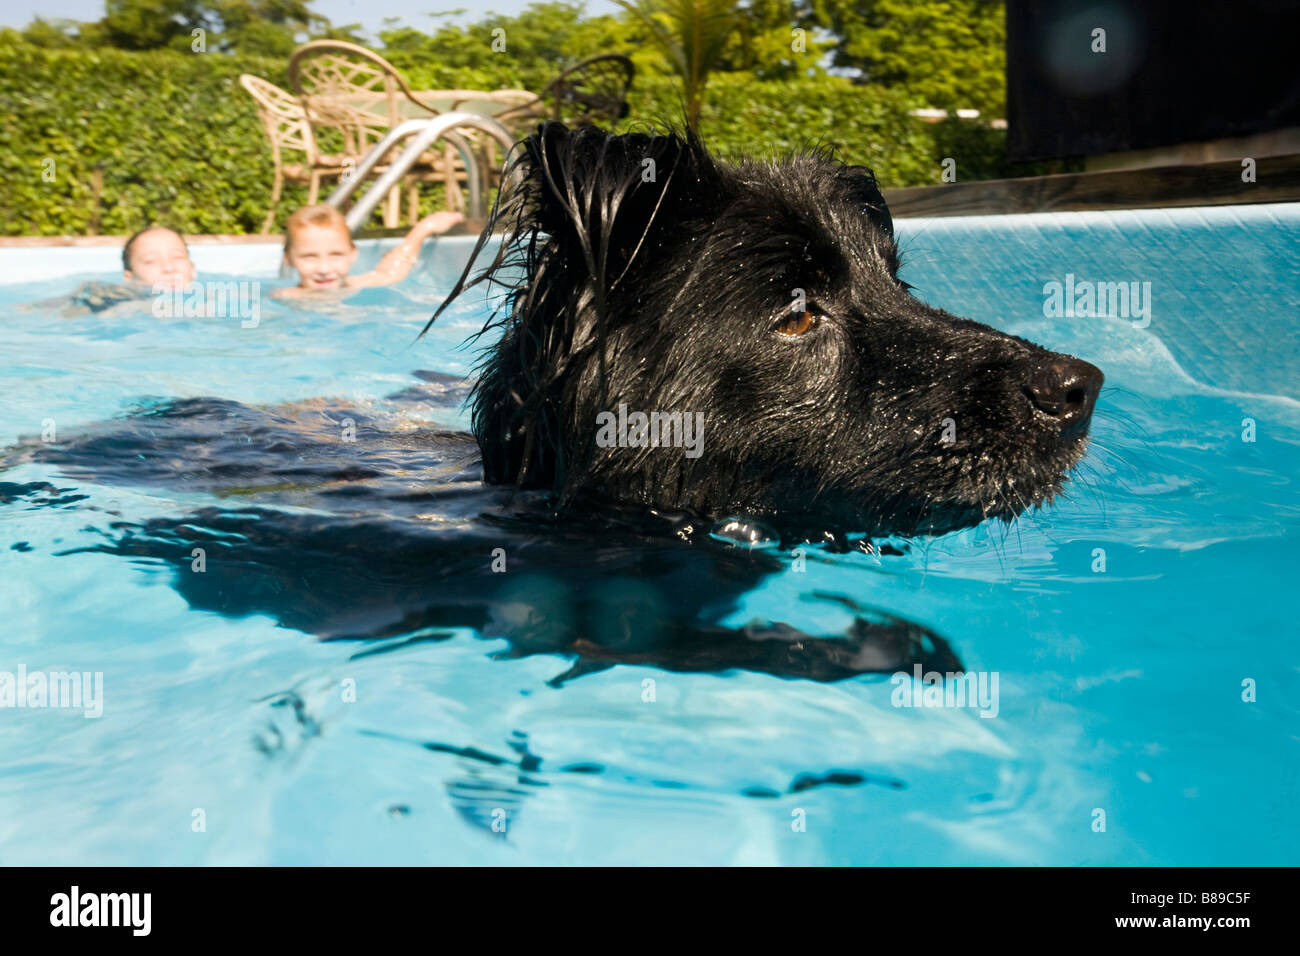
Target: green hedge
<point>869,126</point>
<point>176,137</point>
<point>178,140</point>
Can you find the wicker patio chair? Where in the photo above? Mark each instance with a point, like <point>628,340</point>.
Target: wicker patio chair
<point>355,96</point>
<point>287,129</point>
<point>593,90</point>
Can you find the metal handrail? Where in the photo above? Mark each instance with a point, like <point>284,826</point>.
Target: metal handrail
<point>425,132</point>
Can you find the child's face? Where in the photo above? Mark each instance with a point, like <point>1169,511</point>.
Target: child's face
<point>322,255</point>
<point>160,256</point>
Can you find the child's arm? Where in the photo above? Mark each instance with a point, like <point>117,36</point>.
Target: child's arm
<point>398,262</point>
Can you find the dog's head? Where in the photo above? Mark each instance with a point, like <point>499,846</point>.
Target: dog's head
<point>644,276</point>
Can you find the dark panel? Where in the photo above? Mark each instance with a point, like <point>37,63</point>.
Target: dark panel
<point>1173,72</point>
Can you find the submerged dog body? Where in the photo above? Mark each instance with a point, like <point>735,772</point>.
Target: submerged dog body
<point>763,298</point>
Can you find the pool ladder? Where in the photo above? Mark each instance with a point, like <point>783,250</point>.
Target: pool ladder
<point>423,133</point>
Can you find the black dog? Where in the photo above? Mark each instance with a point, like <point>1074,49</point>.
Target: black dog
<point>766,298</point>
<point>642,276</point>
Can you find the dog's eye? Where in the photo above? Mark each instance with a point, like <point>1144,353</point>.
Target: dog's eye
<point>797,323</point>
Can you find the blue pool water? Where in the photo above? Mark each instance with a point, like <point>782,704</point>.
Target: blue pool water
<point>1120,690</point>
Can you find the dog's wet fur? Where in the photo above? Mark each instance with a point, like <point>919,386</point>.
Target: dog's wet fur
<point>765,296</point>
<point>669,292</point>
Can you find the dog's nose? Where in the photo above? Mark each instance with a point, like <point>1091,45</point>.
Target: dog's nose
<point>1065,388</point>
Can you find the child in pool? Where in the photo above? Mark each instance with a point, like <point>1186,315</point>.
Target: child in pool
<point>157,254</point>
<point>153,256</point>
<point>319,245</point>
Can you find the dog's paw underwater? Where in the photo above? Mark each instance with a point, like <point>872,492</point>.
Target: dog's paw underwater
<point>728,339</point>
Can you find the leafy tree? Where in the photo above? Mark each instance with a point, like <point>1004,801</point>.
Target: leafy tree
<point>949,53</point>
<point>775,40</point>
<point>269,27</point>
<point>694,36</point>
<point>150,24</point>
<point>539,42</point>
<point>255,27</point>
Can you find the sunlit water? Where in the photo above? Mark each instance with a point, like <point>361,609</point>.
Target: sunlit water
<point>1125,625</point>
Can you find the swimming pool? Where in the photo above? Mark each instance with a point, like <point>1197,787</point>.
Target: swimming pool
<point>1125,625</point>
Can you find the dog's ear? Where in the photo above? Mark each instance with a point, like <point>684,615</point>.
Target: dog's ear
<point>585,202</point>
<point>603,196</point>
<point>578,211</point>
<point>866,190</point>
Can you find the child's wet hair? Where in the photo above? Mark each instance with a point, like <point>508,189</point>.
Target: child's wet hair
<point>126,249</point>
<point>320,215</point>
